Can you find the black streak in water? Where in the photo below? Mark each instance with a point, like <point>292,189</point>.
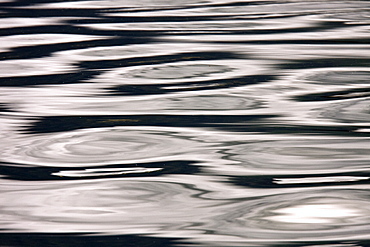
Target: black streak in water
<point>336,95</point>
<point>37,51</point>
<point>66,123</point>
<point>16,172</point>
<point>342,130</point>
<point>22,81</point>
<point>82,240</point>
<point>271,181</point>
<point>351,243</point>
<point>146,89</point>
<point>66,29</point>
<point>4,108</point>
<point>136,61</point>
<point>328,62</point>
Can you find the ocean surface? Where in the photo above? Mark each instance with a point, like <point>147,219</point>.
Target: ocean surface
<point>200,123</point>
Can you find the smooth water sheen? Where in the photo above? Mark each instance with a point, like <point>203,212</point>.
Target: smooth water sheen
<point>185,123</point>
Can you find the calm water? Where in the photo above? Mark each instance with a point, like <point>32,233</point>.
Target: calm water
<point>184,123</point>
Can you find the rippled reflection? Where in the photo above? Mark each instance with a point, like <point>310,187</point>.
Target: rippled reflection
<point>355,111</point>
<point>102,146</point>
<point>105,206</point>
<point>338,77</point>
<point>111,207</point>
<point>323,215</point>
<point>184,123</point>
<point>301,155</point>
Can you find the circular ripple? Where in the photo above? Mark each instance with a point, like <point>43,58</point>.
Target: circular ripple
<point>323,214</point>
<point>178,72</point>
<point>101,146</point>
<point>104,206</point>
<point>338,77</point>
<point>354,111</point>
<point>303,155</point>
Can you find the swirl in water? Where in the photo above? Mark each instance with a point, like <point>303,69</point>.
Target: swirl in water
<point>102,146</point>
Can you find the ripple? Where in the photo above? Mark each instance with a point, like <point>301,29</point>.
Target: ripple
<point>354,111</point>
<point>192,104</point>
<point>180,72</point>
<point>211,147</point>
<point>104,206</point>
<point>343,94</point>
<point>302,155</point>
<point>338,76</point>
<point>319,215</point>
<point>101,146</point>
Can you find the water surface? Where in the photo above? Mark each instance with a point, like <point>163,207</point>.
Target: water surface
<point>185,123</point>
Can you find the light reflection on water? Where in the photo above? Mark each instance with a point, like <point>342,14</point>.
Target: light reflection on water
<point>103,146</point>
<point>206,123</point>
